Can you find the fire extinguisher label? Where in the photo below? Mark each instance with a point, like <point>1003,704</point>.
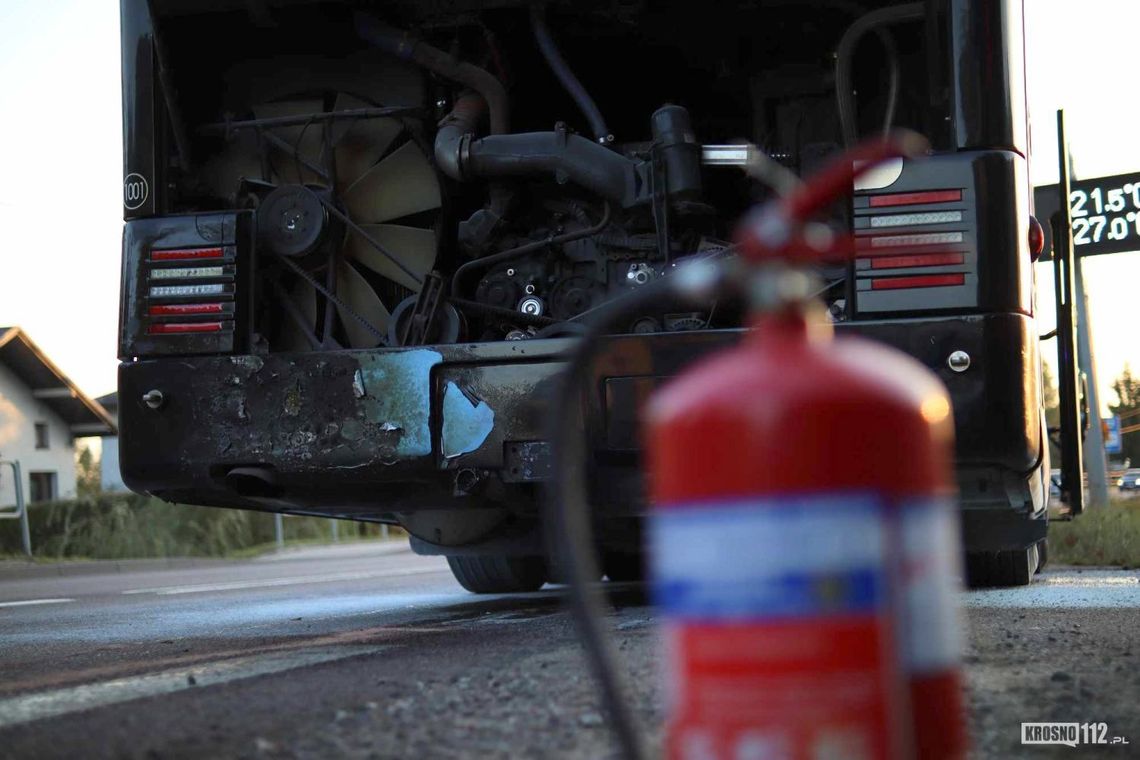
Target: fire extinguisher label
<point>777,625</point>
<point>931,636</point>
<point>820,554</point>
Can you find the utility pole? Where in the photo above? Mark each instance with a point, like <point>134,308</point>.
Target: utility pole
<point>1096,462</point>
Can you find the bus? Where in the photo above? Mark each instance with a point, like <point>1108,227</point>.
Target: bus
<point>361,239</point>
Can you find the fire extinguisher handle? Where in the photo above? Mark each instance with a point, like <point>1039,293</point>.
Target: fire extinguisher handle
<point>773,231</point>
<point>836,180</point>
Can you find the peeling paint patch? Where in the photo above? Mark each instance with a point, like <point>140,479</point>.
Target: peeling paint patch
<point>358,384</point>
<point>250,363</point>
<point>466,422</point>
<point>396,396</point>
<point>293,400</point>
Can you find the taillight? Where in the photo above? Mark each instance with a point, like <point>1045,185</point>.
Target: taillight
<point>181,279</point>
<point>189,290</point>
<point>1036,238</point>
<point>914,249</point>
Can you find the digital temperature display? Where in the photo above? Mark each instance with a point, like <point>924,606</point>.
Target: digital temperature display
<point>1105,214</point>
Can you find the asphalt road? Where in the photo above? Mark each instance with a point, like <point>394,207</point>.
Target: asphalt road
<point>366,650</point>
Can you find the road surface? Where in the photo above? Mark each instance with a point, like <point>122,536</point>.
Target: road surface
<point>366,650</point>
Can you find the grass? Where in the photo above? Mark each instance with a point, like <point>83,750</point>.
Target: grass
<point>1109,536</point>
<point>130,526</point>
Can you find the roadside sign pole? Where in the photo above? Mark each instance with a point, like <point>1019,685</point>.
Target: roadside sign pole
<point>278,531</point>
<point>21,511</point>
<point>1096,463</point>
<point>25,526</point>
<point>1064,267</point>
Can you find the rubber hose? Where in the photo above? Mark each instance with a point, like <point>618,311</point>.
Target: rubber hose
<point>844,64</point>
<point>574,88</point>
<point>403,45</point>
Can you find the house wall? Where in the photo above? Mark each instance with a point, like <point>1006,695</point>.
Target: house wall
<point>19,411</point>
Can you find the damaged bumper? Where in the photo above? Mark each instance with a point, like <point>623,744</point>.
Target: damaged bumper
<point>366,434</point>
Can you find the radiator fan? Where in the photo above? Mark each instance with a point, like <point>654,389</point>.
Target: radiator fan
<point>380,185</point>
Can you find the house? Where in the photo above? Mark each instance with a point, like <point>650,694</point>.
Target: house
<point>110,477</point>
<point>41,414</point>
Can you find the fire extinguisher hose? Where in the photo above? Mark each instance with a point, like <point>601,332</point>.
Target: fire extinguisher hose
<point>567,502</point>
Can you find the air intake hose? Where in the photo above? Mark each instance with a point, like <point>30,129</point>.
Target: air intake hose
<point>568,157</point>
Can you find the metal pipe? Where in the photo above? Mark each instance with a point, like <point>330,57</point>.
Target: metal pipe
<point>270,122</point>
<point>565,75</point>
<point>21,511</point>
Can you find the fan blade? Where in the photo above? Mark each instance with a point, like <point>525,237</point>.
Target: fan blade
<point>305,297</point>
<point>413,246</point>
<point>357,294</point>
<point>361,146</point>
<point>371,136</point>
<point>404,183</point>
<point>307,139</point>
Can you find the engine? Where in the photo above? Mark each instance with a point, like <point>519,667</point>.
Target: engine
<point>439,173</point>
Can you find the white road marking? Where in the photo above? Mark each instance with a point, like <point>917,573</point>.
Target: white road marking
<point>58,702</point>
<point>201,588</point>
<point>30,602</point>
<point>1065,589</point>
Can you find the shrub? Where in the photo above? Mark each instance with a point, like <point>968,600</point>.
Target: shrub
<point>130,526</point>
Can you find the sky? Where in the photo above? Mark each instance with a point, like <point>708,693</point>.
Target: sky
<point>61,168</point>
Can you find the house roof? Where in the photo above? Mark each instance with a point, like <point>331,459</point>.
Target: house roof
<point>48,384</point>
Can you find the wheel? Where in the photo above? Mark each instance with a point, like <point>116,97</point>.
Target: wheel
<point>621,567</point>
<point>1042,554</point>
<point>1005,568</point>
<point>498,575</point>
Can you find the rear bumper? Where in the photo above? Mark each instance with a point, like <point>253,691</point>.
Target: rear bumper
<point>369,433</point>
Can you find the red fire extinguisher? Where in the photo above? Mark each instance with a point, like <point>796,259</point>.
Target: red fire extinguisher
<point>804,535</point>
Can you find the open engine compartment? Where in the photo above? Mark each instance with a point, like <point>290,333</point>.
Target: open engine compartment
<point>425,173</point>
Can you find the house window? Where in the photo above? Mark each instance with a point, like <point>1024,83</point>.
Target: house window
<point>41,486</point>
<point>41,435</point>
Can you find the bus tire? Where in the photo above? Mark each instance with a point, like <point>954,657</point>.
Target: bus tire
<point>498,574</point>
<point>624,567</point>
<point>1005,568</point>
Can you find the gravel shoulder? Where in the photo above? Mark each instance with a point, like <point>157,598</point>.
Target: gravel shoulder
<point>509,680</point>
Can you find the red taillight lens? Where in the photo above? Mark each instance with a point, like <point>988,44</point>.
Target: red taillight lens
<point>1036,238</point>
<point>178,328</point>
<point>180,309</point>
<point>918,260</point>
<point>914,199</point>
<point>187,254</point>
<point>921,281</point>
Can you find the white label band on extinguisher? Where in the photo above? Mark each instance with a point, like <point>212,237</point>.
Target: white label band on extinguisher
<point>780,557</point>
<point>931,632</point>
